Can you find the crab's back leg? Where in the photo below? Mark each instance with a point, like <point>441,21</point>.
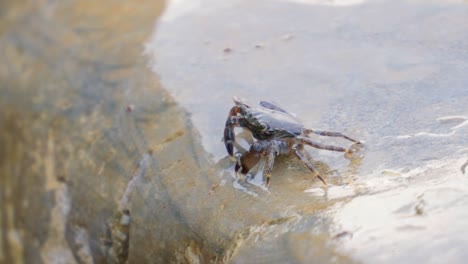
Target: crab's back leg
<point>307,131</point>
<point>309,142</point>
<point>229,135</point>
<point>303,157</point>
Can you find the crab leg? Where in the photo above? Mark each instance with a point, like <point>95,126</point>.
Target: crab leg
<point>301,155</point>
<point>270,160</point>
<point>311,143</point>
<point>307,131</point>
<point>229,135</point>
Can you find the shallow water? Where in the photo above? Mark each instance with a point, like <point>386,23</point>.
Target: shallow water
<point>112,131</point>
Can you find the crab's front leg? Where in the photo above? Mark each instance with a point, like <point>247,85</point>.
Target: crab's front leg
<point>229,135</point>
<point>270,160</point>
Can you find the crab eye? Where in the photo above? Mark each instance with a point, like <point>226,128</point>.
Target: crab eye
<point>264,126</point>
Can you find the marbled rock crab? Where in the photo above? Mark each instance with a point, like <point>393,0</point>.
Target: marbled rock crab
<point>276,132</point>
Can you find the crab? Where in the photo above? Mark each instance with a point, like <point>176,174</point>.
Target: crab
<point>277,132</point>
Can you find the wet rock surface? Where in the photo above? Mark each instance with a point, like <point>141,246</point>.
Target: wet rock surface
<point>104,160</point>
<point>390,74</point>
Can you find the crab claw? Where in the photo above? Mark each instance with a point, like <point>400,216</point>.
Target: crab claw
<point>229,138</point>
<point>247,161</point>
<point>229,135</point>
<point>238,166</point>
<point>230,148</point>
